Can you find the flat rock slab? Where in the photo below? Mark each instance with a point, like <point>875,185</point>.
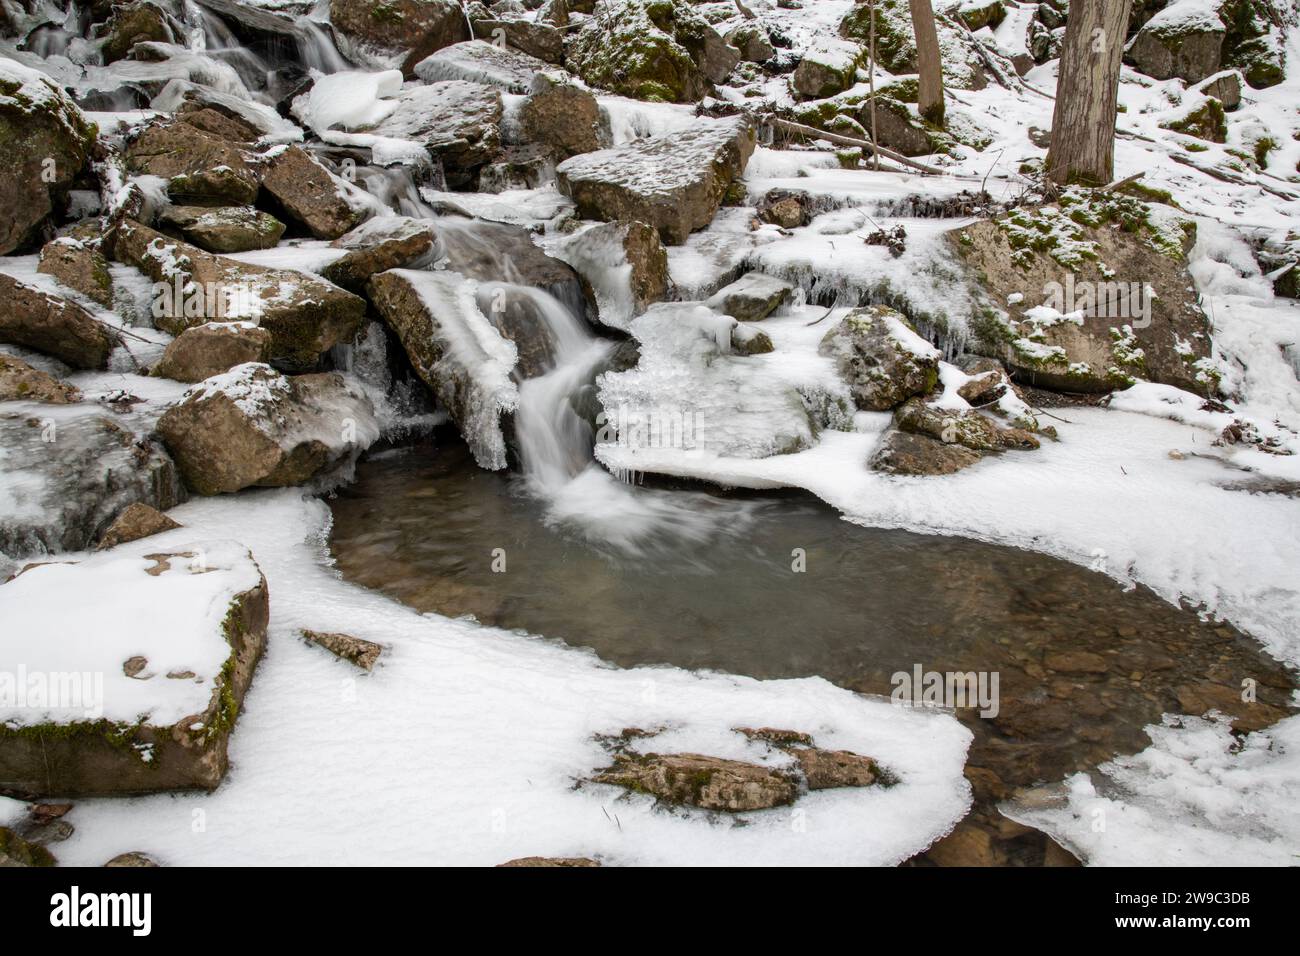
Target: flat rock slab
<point>674,182</point>
<point>111,700</point>
<point>752,297</point>
<point>482,62</point>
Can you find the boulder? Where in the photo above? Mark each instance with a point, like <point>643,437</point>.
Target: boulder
<point>660,50</point>
<point>828,67</point>
<point>964,427</point>
<point>203,351</point>
<point>456,350</point>
<point>456,121</point>
<point>19,382</point>
<point>70,472</point>
<point>478,61</point>
<point>132,23</point>
<point>881,358</point>
<point>223,229</point>
<point>1224,86</point>
<point>899,127</point>
<point>78,265</point>
<point>201,169</point>
<point>397,32</point>
<point>625,266</point>
<point>48,323</point>
<point>308,193</point>
<point>696,780</point>
<point>752,297</point>
<point>137,520</point>
<point>253,426</point>
<point>560,115</point>
<point>151,730</point>
<point>673,182</point>
<point>752,41</point>
<point>46,143</point>
<point>541,40</point>
<point>305,315</point>
<point>1199,116</point>
<point>963,65</point>
<point>490,252</point>
<point>1088,308</point>
<point>787,208</point>
<point>361,652</point>
<point>380,244</point>
<point>1193,40</point>
<point>906,453</point>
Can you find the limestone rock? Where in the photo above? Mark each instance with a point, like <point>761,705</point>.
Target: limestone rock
<point>19,382</point>
<point>624,264</point>
<point>146,733</point>
<point>223,229</point>
<point>361,652</point>
<point>881,358</point>
<point>674,182</point>
<point>202,351</point>
<point>379,244</point>
<point>478,61</point>
<point>456,121</point>
<point>47,142</point>
<point>305,315</point>
<point>255,427</point>
<point>401,31</point>
<point>201,169</point>
<point>752,297</point>
<point>709,783</point>
<point>137,520</point>
<point>560,115</point>
<point>905,453</point>
<point>308,193</point>
<point>78,265</point>
<point>40,320</point>
<point>78,468</point>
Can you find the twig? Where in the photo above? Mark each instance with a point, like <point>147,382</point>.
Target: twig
<point>1121,183</point>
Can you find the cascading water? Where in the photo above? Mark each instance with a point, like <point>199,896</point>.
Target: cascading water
<point>555,445</point>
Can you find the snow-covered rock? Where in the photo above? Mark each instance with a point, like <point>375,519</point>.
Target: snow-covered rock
<point>379,244</point>
<point>223,229</point>
<point>478,61</point>
<point>47,142</point>
<point>400,33</point>
<point>200,168</point>
<point>674,182</point>
<point>135,686</point>
<point>752,297</point>
<point>37,319</point>
<point>253,426</point>
<point>305,315</point>
<point>67,470</point>
<point>881,358</point>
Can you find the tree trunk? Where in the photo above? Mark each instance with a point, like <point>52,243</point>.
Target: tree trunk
<point>929,97</point>
<point>1083,123</point>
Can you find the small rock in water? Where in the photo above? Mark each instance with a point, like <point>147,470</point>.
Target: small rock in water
<point>134,858</point>
<point>19,382</point>
<point>361,652</point>
<point>752,297</point>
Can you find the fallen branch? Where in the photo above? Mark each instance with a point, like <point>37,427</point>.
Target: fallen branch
<point>1121,183</point>
<point>745,12</point>
<point>793,127</point>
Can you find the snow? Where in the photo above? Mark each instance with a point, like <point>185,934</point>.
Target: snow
<point>47,636</point>
<point>1198,796</point>
<point>464,745</point>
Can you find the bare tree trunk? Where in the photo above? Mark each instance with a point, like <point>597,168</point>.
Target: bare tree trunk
<point>929,97</point>
<point>1083,123</point>
<point>871,80</point>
